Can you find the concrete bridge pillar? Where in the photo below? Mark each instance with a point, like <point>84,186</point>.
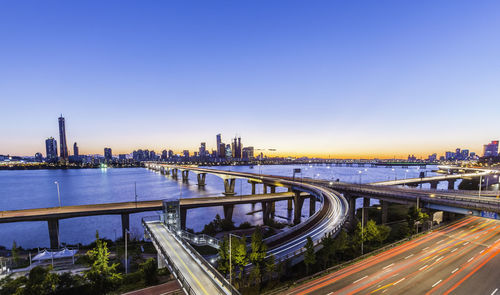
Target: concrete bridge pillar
<point>253,186</point>
<point>273,204</point>
<point>229,186</point>
<point>264,189</point>
<point>366,204</point>
<point>201,178</point>
<point>185,175</point>
<point>352,209</point>
<point>167,171</point>
<point>312,205</point>
<point>183,216</point>
<point>297,212</point>
<point>434,184</point>
<point>53,224</point>
<point>228,212</point>
<point>451,184</point>
<point>174,173</point>
<point>290,201</point>
<point>385,211</point>
<point>125,223</point>
<point>266,212</point>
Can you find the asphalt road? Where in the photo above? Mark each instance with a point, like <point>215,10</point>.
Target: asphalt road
<point>461,258</point>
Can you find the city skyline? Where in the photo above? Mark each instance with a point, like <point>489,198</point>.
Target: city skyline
<point>324,79</point>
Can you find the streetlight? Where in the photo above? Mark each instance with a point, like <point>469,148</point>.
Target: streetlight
<point>58,193</point>
<point>406,171</point>
<point>394,173</point>
<point>360,173</point>
<point>126,260</point>
<point>230,261</point>
<point>480,184</point>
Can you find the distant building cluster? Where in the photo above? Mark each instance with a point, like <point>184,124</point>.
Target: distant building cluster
<point>223,152</point>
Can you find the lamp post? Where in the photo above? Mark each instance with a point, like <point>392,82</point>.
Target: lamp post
<point>394,173</point>
<point>58,193</point>
<point>360,173</point>
<point>406,171</point>
<point>135,192</point>
<point>126,260</point>
<point>480,184</point>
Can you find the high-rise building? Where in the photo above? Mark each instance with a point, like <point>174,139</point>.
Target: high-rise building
<point>491,149</point>
<point>108,156</point>
<point>203,150</point>
<point>164,155</point>
<point>170,153</point>
<point>62,139</point>
<point>75,150</point>
<point>229,153</point>
<point>51,149</point>
<point>219,142</point>
<point>236,148</point>
<point>186,154</point>
<point>247,152</point>
<point>38,157</point>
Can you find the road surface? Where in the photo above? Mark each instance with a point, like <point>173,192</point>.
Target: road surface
<point>459,259</point>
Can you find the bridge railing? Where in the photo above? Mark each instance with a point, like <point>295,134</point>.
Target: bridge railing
<point>199,240</point>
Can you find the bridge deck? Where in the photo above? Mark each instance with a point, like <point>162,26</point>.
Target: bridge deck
<point>431,179</point>
<point>233,200</point>
<point>197,277</point>
<point>79,211</point>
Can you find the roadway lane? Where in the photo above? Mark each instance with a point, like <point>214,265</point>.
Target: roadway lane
<point>459,259</point>
<point>197,277</point>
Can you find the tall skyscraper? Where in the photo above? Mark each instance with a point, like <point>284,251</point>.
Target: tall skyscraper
<point>491,149</point>
<point>203,149</point>
<point>62,139</point>
<point>108,156</point>
<point>219,142</point>
<point>51,149</point>
<point>236,148</point>
<point>75,150</point>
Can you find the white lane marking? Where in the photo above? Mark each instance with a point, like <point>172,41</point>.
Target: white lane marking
<point>454,250</point>
<point>359,279</point>
<point>470,259</point>
<point>423,267</point>
<point>425,248</point>
<point>496,241</point>
<point>436,283</point>
<point>408,256</point>
<point>398,282</point>
<point>455,270</point>
<point>439,258</point>
<point>388,266</point>
<point>481,251</point>
<point>441,241</point>
<point>466,243</point>
<point>494,291</point>
<point>476,238</point>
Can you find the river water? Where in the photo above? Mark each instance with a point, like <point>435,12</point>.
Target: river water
<point>25,189</point>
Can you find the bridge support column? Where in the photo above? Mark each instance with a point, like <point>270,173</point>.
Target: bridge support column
<point>451,184</point>
<point>312,205</point>
<point>297,212</point>
<point>228,212</point>
<point>253,186</point>
<point>273,204</point>
<point>352,210</point>
<point>229,186</point>
<point>201,179</point>
<point>264,189</point>
<point>385,211</point>
<point>167,171</point>
<point>53,233</point>
<point>185,175</point>
<point>183,212</point>
<point>366,204</point>
<point>161,261</point>
<point>434,184</point>
<point>125,223</point>
<point>290,201</point>
<point>174,173</point>
<point>266,212</point>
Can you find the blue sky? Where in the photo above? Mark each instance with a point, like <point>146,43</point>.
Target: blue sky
<point>338,78</point>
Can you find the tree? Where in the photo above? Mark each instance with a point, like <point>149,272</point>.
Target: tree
<point>102,276</point>
<point>259,248</point>
<point>239,254</point>
<point>15,252</point>
<point>41,281</point>
<point>415,216</point>
<point>270,266</point>
<point>340,246</point>
<point>223,263</point>
<point>149,271</point>
<point>327,250</point>
<point>309,255</point>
